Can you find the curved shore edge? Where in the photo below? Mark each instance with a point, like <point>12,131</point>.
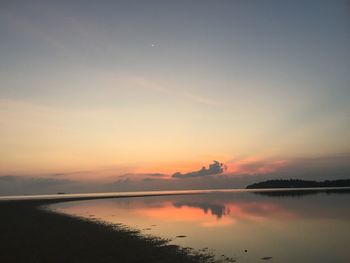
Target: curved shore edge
<point>32,234</point>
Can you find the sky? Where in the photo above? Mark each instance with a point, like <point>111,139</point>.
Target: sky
<point>123,95</point>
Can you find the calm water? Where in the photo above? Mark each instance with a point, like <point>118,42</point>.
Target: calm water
<point>287,226</point>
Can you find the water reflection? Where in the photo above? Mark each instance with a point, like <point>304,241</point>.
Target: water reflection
<point>214,209</point>
<point>288,226</point>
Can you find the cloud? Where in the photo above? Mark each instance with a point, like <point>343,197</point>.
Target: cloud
<point>163,89</point>
<point>57,174</point>
<point>214,169</point>
<point>312,168</point>
<point>254,167</point>
<point>8,178</point>
<point>149,179</point>
<point>69,173</point>
<point>318,168</point>
<point>242,173</point>
<point>141,176</point>
<point>154,175</point>
<point>13,184</point>
<point>157,175</point>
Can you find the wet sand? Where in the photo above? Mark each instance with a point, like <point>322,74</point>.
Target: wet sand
<point>29,234</point>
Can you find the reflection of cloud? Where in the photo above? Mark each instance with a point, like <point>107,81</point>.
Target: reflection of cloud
<point>169,212</point>
<point>214,168</point>
<point>255,211</point>
<point>222,213</point>
<point>259,211</point>
<point>215,209</point>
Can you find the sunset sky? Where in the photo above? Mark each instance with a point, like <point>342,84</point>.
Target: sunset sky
<point>130,92</point>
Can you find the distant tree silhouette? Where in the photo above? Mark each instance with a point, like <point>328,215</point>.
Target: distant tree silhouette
<point>300,193</point>
<point>298,183</point>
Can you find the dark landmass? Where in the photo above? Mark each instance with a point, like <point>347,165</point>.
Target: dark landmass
<point>297,183</point>
<point>31,234</point>
<point>299,193</point>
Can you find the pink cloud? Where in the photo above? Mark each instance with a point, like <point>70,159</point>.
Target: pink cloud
<point>253,166</point>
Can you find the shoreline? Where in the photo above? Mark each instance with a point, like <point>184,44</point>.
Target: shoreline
<point>90,196</point>
<point>30,233</point>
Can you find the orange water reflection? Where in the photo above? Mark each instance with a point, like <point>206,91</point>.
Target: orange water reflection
<point>288,227</point>
<point>216,215</point>
<point>205,214</point>
<point>185,213</point>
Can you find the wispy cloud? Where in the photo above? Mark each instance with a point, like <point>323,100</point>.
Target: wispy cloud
<point>156,87</point>
<point>318,168</point>
<point>141,176</point>
<point>61,174</point>
<point>253,166</point>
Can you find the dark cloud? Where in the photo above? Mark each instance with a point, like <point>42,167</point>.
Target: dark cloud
<point>149,179</point>
<point>11,184</point>
<point>320,168</point>
<point>57,174</point>
<point>253,166</point>
<point>69,173</point>
<point>156,175</point>
<point>136,176</point>
<point>123,181</point>
<point>214,169</point>
<point>8,178</point>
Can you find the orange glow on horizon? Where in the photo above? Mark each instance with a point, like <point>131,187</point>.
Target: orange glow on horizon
<point>254,165</point>
<point>170,168</point>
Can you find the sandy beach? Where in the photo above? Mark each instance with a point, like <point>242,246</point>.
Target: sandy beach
<point>32,234</point>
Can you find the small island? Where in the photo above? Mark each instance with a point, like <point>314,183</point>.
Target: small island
<point>298,183</point>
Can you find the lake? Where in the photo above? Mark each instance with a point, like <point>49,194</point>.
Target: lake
<point>273,226</point>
